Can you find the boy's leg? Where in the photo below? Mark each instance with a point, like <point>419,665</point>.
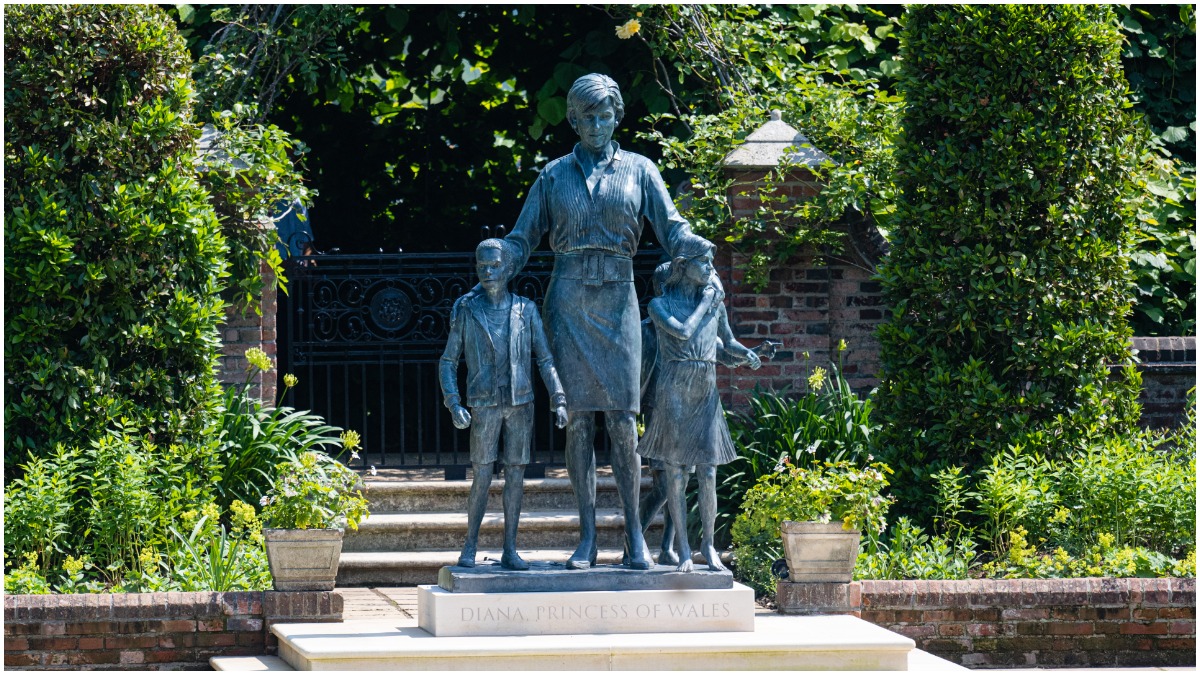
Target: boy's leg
<point>676,506</point>
<point>706,478</point>
<point>476,506</point>
<point>518,434</point>
<point>485,436</point>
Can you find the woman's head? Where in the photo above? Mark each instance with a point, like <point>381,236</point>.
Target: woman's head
<point>594,108</point>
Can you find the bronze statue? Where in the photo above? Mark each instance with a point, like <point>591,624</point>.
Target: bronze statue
<point>591,205</point>
<point>688,426</point>
<point>497,330</point>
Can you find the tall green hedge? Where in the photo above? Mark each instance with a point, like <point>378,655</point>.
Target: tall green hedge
<point>113,256</point>
<point>1008,278</point>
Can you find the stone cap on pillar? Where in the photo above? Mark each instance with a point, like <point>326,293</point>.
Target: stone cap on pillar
<point>767,145</point>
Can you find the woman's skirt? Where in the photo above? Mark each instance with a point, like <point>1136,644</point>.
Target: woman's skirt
<point>596,338</point>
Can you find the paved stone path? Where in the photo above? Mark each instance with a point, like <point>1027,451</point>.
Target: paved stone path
<point>380,604</point>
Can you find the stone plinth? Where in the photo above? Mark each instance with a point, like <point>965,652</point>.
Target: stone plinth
<point>554,577</point>
<point>446,614</point>
<point>799,597</point>
<point>776,643</point>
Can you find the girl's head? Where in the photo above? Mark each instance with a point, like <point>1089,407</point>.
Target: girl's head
<point>692,265</point>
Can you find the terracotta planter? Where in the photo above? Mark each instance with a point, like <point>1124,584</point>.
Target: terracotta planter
<point>821,552</point>
<point>303,560</point>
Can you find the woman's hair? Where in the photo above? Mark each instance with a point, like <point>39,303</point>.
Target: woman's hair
<point>690,248</point>
<point>506,255</point>
<point>591,91</point>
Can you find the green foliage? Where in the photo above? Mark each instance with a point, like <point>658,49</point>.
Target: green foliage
<point>1164,261</point>
<point>37,507</point>
<point>255,439</point>
<point>314,491</point>
<point>27,579</point>
<point>112,254</point>
<point>825,491</point>
<point>210,559</point>
<point>1160,63</point>
<point>909,553</point>
<point>252,174</point>
<point>828,423</point>
<point>1104,559</point>
<point>1009,267</point>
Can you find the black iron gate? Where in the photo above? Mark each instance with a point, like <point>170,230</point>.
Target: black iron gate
<point>363,333</point>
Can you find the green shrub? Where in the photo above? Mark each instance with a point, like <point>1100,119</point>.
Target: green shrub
<point>112,254</point>
<point>909,553</point>
<point>824,492</point>
<point>314,491</point>
<point>828,423</point>
<point>255,438</point>
<point>1008,276</point>
<point>1103,559</point>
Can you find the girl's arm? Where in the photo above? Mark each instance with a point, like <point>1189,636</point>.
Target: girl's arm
<point>683,331</point>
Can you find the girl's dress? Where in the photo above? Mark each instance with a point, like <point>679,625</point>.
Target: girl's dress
<point>688,423</point>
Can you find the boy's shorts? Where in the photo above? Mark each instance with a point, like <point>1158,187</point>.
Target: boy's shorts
<point>486,423</point>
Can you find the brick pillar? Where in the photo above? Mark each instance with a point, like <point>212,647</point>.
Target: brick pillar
<point>244,328</point>
<point>806,306</point>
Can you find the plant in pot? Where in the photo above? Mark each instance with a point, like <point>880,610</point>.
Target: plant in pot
<point>313,499</point>
<point>814,515</point>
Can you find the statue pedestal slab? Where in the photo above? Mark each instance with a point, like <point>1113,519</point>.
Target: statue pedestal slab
<point>777,643</point>
<point>697,610</point>
<point>547,577</point>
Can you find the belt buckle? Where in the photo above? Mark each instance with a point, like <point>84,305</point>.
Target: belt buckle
<point>593,269</point>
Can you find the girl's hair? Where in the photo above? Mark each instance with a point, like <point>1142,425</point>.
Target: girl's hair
<point>659,280</point>
<point>689,249</point>
<point>590,91</point>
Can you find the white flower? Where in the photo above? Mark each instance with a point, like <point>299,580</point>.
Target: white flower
<point>264,501</point>
<point>353,455</point>
<point>628,29</point>
<point>373,471</point>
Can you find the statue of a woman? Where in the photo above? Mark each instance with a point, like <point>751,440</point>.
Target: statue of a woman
<point>592,203</point>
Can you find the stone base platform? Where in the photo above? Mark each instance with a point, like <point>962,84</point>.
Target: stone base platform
<point>446,614</point>
<point>776,643</point>
<point>542,577</point>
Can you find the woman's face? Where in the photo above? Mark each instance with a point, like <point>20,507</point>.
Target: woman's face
<point>596,126</point>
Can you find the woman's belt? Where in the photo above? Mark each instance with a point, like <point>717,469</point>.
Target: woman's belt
<point>593,267</point>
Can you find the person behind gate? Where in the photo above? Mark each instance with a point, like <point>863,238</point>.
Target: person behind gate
<point>497,331</point>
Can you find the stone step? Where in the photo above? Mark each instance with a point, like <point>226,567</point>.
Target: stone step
<point>248,663</point>
<point>776,643</point>
<point>446,531</point>
<point>541,494</point>
<point>408,568</point>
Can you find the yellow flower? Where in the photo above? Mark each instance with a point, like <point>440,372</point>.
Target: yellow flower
<point>842,346</point>
<point>258,359</point>
<point>73,565</point>
<point>290,380</point>
<point>816,381</point>
<point>350,439</point>
<point>628,29</point>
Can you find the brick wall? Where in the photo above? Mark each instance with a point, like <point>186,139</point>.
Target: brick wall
<point>1035,622</point>
<point>1168,367</point>
<point>243,329</point>
<point>150,631</point>
<point>808,307</point>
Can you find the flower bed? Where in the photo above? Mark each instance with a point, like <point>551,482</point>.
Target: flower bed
<point>151,631</point>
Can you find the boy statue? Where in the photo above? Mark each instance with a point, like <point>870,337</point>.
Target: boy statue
<point>497,329</point>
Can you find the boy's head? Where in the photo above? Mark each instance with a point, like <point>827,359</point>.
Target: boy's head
<point>493,263</point>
